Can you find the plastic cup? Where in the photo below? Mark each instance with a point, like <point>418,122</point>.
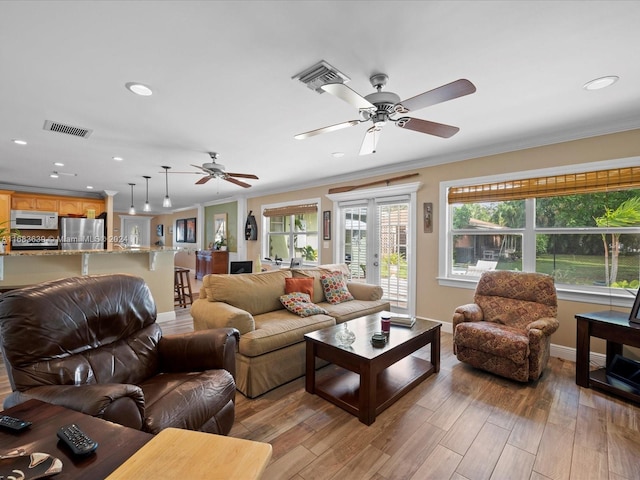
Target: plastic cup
<point>385,324</point>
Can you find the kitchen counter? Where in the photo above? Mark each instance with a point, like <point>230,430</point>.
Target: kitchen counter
<point>154,264</point>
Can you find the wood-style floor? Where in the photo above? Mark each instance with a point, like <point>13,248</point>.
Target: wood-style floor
<point>459,424</point>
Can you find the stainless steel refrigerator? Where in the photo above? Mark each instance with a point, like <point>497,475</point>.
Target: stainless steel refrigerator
<point>81,233</point>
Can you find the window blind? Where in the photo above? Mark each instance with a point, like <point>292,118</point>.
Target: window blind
<point>290,210</point>
<point>550,186</point>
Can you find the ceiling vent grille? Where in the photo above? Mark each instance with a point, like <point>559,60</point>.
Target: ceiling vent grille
<point>67,129</point>
<point>320,74</point>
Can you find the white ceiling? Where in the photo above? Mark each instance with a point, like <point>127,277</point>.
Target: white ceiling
<point>221,75</point>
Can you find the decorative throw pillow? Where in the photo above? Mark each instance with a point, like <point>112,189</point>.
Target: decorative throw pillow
<point>335,288</point>
<point>300,304</point>
<point>303,285</point>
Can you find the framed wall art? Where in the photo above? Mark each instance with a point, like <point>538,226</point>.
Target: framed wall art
<point>181,226</point>
<point>190,232</point>
<point>326,225</point>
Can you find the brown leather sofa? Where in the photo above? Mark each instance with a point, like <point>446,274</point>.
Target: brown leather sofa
<point>92,344</point>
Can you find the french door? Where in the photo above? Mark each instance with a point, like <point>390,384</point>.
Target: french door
<point>376,241</point>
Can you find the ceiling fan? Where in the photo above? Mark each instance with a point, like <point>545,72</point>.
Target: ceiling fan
<point>217,170</point>
<point>381,107</point>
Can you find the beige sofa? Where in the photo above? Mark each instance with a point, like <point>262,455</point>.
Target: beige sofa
<point>271,351</point>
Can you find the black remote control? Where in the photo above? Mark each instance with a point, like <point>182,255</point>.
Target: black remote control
<point>78,441</point>
<point>13,423</point>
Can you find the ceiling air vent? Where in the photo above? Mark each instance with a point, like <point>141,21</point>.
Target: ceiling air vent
<point>68,129</point>
<point>320,74</point>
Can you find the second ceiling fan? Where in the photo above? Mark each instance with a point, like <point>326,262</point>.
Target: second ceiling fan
<point>381,107</point>
<point>217,170</point>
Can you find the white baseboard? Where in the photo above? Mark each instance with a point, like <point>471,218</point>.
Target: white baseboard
<point>558,351</point>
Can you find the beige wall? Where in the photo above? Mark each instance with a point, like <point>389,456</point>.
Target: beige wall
<point>438,302</point>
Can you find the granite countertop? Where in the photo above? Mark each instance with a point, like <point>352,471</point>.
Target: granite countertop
<point>36,253</point>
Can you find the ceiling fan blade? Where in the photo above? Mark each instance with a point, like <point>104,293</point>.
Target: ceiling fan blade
<point>331,128</point>
<point>343,92</point>
<point>452,90</point>
<point>424,126</point>
<point>204,180</point>
<point>237,182</point>
<point>370,141</point>
<point>200,167</point>
<point>243,175</point>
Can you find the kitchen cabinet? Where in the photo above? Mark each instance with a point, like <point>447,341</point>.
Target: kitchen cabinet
<point>50,203</point>
<point>211,261</point>
<point>34,202</point>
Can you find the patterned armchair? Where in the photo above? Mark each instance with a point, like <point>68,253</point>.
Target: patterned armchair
<point>506,330</point>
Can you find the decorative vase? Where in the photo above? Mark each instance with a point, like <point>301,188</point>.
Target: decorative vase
<point>345,336</point>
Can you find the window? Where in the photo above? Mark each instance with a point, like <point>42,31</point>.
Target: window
<point>292,232</point>
<point>582,228</point>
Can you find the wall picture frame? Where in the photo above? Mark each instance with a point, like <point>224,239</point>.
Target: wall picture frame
<point>190,230</point>
<point>160,230</point>
<point>326,225</point>
<point>181,225</point>
<point>220,229</point>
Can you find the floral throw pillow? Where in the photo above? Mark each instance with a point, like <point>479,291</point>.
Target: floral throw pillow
<point>335,288</point>
<point>300,304</point>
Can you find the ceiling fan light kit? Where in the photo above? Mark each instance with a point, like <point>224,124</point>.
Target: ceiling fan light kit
<point>380,107</point>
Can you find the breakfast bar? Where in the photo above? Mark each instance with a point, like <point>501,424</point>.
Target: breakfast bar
<point>155,265</point>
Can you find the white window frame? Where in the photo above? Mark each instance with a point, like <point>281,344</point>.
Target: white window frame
<point>264,248</point>
<point>611,297</point>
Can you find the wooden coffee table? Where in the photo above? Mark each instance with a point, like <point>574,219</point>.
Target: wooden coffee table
<point>115,442</point>
<point>371,378</point>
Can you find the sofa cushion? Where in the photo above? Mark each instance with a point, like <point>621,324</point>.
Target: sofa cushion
<point>316,273</point>
<point>354,309</point>
<point>335,288</point>
<point>256,293</point>
<point>304,285</point>
<point>300,304</point>
<point>279,329</point>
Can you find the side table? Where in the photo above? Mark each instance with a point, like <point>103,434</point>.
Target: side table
<point>617,330</point>
<point>177,453</point>
<point>115,442</point>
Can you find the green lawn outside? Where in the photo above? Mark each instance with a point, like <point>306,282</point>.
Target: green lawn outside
<point>579,269</point>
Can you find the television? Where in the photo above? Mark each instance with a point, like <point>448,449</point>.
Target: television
<point>296,262</point>
<point>245,266</point>
<point>634,317</point>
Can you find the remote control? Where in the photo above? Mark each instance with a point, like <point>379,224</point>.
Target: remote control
<point>13,423</point>
<point>78,441</point>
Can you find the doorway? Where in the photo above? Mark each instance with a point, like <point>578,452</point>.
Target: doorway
<point>376,238</point>
<point>135,231</point>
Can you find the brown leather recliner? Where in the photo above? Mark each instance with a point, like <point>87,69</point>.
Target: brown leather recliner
<point>92,344</point>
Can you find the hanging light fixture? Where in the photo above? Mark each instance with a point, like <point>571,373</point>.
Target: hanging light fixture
<point>166,203</point>
<point>132,209</point>
<point>147,207</point>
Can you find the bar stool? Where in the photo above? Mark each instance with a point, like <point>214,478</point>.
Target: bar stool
<point>182,287</point>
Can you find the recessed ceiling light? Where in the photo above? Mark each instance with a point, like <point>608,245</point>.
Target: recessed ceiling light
<point>18,141</point>
<point>89,187</point>
<point>58,164</point>
<point>602,82</point>
<point>139,89</point>
<point>338,154</point>
<point>54,175</point>
<point>118,159</point>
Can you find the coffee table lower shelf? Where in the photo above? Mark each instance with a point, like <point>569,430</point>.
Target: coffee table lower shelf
<point>342,387</point>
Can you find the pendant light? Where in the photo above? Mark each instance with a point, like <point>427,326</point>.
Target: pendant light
<point>132,209</point>
<point>166,203</point>
<point>147,207</point>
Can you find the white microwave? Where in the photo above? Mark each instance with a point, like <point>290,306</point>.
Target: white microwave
<point>34,220</point>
